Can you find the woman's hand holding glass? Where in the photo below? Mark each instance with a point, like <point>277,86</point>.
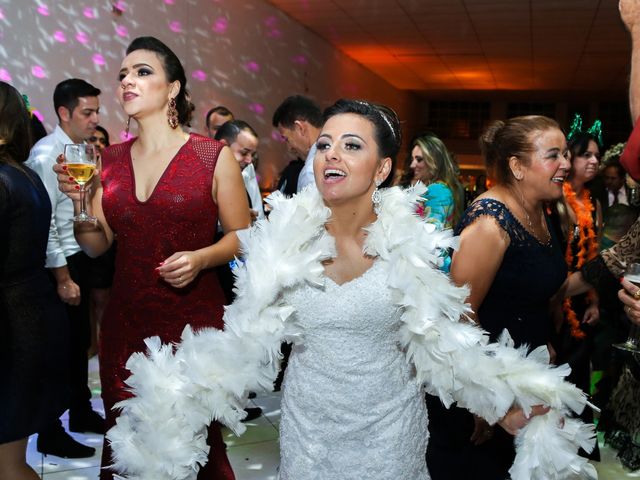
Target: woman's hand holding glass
<point>76,186</point>
<point>80,160</point>
<point>630,296</point>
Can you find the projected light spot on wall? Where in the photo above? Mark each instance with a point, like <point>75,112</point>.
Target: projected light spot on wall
<point>90,12</point>
<point>175,26</point>
<point>120,5</point>
<point>43,10</point>
<point>38,72</point>
<point>1,14</point>
<point>59,36</point>
<point>272,27</point>
<point>257,108</point>
<point>82,37</point>
<point>220,25</point>
<point>124,136</point>
<point>4,75</point>
<point>38,115</point>
<point>122,31</point>
<point>98,59</point>
<point>169,2</point>
<point>199,75</point>
<point>252,66</point>
<point>275,135</point>
<point>299,59</point>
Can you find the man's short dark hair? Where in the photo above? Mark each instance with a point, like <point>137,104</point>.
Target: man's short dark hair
<point>230,130</point>
<point>297,107</point>
<point>220,110</point>
<point>619,168</point>
<point>69,91</point>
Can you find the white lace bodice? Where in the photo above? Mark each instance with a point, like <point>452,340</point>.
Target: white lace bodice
<point>351,406</point>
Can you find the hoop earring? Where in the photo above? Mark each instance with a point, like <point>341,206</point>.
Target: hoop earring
<point>172,114</point>
<point>376,198</point>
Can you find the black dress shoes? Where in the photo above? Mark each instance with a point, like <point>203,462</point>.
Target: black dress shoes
<point>252,413</point>
<point>88,421</point>
<point>61,444</point>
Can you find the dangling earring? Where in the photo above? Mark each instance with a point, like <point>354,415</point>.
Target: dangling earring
<point>376,198</point>
<point>126,130</point>
<point>172,114</point>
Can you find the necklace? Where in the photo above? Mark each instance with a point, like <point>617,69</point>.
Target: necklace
<point>547,236</point>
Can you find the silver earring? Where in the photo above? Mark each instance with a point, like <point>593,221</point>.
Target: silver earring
<point>376,197</point>
<point>126,131</point>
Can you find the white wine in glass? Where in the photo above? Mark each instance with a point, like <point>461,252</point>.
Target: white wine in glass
<point>80,159</point>
<point>632,274</point>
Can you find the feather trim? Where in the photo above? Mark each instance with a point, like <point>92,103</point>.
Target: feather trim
<point>161,431</point>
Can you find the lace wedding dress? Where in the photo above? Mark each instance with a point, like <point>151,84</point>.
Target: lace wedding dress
<point>351,407</point>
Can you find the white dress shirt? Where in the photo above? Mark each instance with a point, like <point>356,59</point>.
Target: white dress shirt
<point>61,243</point>
<point>622,196</point>
<point>253,189</point>
<point>306,174</point>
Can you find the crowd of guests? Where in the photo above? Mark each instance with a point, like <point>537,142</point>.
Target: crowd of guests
<point>540,251</point>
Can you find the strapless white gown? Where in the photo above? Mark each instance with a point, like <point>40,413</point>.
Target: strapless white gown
<point>351,407</point>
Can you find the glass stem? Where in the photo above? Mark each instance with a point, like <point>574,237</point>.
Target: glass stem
<point>83,205</point>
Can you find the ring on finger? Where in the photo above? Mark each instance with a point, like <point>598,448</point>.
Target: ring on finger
<point>637,294</point>
<point>627,309</point>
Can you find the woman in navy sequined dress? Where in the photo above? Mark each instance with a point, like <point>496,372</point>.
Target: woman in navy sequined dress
<point>162,194</point>
<point>514,265</point>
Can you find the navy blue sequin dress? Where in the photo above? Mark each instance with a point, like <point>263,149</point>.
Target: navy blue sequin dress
<point>518,300</point>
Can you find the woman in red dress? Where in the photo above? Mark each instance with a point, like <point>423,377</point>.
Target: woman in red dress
<point>162,194</point>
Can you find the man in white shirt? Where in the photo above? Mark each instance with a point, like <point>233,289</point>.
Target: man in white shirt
<point>243,140</point>
<point>298,119</point>
<point>76,104</point>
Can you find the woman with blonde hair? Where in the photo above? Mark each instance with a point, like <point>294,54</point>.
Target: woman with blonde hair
<point>432,164</point>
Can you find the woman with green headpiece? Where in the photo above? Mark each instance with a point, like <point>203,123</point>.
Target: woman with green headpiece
<point>578,219</point>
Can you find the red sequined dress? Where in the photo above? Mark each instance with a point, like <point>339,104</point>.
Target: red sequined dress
<point>180,215</point>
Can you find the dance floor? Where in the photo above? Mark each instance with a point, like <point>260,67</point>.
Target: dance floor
<point>254,455</point>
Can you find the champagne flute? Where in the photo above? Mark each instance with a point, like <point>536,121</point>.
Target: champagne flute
<point>632,274</point>
<point>80,159</point>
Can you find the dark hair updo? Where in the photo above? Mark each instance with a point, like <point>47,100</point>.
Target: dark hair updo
<point>512,138</point>
<point>173,70</point>
<point>385,122</point>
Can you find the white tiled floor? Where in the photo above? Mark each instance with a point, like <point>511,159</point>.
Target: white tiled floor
<point>254,455</point>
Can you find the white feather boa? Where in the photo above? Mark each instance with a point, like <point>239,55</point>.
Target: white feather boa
<point>178,391</point>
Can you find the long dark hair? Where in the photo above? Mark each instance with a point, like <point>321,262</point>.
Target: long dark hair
<point>173,70</point>
<point>15,126</point>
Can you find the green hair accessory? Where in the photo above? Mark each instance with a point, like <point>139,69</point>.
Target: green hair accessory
<point>594,130</point>
<point>27,104</point>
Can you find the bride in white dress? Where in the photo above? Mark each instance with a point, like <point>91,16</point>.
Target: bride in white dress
<point>348,274</point>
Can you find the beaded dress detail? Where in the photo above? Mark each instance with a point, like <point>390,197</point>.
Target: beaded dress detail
<point>351,407</point>
<point>530,274</point>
